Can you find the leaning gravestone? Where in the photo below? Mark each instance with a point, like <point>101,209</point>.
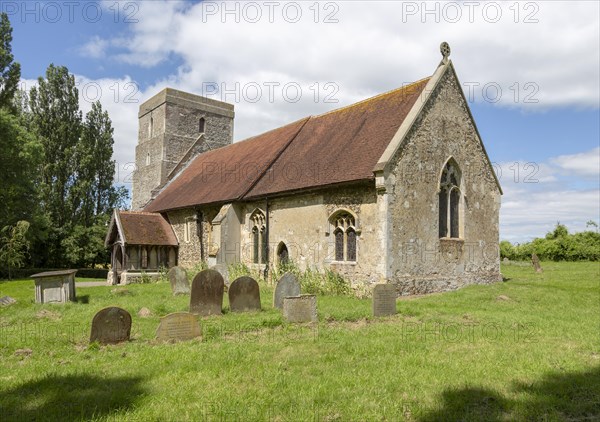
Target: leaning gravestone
<point>244,295</point>
<point>178,326</point>
<point>301,308</point>
<point>536,263</point>
<point>288,285</point>
<point>384,300</point>
<point>207,293</point>
<point>111,325</point>
<point>179,281</point>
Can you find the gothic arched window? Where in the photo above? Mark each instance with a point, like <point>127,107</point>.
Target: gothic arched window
<point>449,201</point>
<point>259,238</point>
<point>201,124</point>
<point>344,232</point>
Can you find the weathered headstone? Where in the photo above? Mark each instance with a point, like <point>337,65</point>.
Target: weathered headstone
<point>179,281</point>
<point>288,285</point>
<point>7,300</point>
<point>222,269</point>
<point>384,300</point>
<point>207,293</point>
<point>301,308</point>
<point>178,326</point>
<point>536,263</point>
<point>111,325</point>
<point>244,295</point>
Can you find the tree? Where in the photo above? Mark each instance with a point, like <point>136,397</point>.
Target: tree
<point>14,246</point>
<point>19,161</point>
<point>56,119</point>
<point>77,175</point>
<point>10,71</point>
<point>95,168</point>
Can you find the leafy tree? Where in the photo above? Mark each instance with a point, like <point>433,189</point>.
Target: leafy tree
<point>85,245</point>
<point>557,245</point>
<point>95,168</point>
<point>10,71</point>
<point>77,171</point>
<point>56,116</point>
<point>15,246</point>
<point>21,154</point>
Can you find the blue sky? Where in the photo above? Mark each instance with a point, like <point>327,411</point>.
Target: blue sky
<point>541,131</point>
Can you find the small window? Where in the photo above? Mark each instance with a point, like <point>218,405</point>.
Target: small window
<point>259,237</point>
<point>344,236</point>
<point>150,127</point>
<point>201,124</point>
<point>351,245</point>
<point>187,232</point>
<point>339,244</point>
<point>148,159</point>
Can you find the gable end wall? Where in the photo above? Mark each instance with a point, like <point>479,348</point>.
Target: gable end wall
<point>418,261</point>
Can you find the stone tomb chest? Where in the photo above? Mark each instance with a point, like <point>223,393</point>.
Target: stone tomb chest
<point>54,286</point>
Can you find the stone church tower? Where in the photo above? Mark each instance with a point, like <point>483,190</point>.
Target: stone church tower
<point>174,127</point>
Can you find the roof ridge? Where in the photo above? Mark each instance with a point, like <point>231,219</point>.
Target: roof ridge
<point>264,133</point>
<point>139,212</point>
<point>373,97</point>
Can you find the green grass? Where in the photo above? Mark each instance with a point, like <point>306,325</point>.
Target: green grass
<point>525,349</point>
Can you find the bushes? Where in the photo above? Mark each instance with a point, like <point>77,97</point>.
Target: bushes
<point>557,245</point>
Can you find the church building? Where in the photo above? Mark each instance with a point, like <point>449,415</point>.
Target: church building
<point>396,188</point>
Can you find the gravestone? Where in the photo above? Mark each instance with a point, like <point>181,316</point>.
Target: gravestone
<point>222,269</point>
<point>301,308</point>
<point>178,326</point>
<point>7,300</point>
<point>207,293</point>
<point>179,281</point>
<point>244,295</point>
<point>288,285</point>
<point>384,300</point>
<point>111,325</point>
<point>536,263</point>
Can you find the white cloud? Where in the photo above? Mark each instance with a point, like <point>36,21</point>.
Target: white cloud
<point>583,164</point>
<point>95,48</point>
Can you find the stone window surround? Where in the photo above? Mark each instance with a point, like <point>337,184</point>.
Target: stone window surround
<point>450,188</point>
<point>349,223</point>
<point>257,228</point>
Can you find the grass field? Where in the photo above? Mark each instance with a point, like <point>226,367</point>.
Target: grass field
<point>524,349</point>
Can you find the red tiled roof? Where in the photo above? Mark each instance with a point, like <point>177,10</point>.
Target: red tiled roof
<point>343,145</point>
<point>340,146</point>
<point>146,228</point>
<point>225,174</point>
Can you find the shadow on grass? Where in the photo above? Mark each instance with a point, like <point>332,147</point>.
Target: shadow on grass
<point>85,299</point>
<point>70,397</point>
<point>557,396</point>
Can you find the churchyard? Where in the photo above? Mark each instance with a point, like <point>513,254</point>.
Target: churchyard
<point>523,349</point>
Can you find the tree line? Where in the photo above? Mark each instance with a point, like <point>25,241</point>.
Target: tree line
<point>557,245</point>
<point>56,170</point>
